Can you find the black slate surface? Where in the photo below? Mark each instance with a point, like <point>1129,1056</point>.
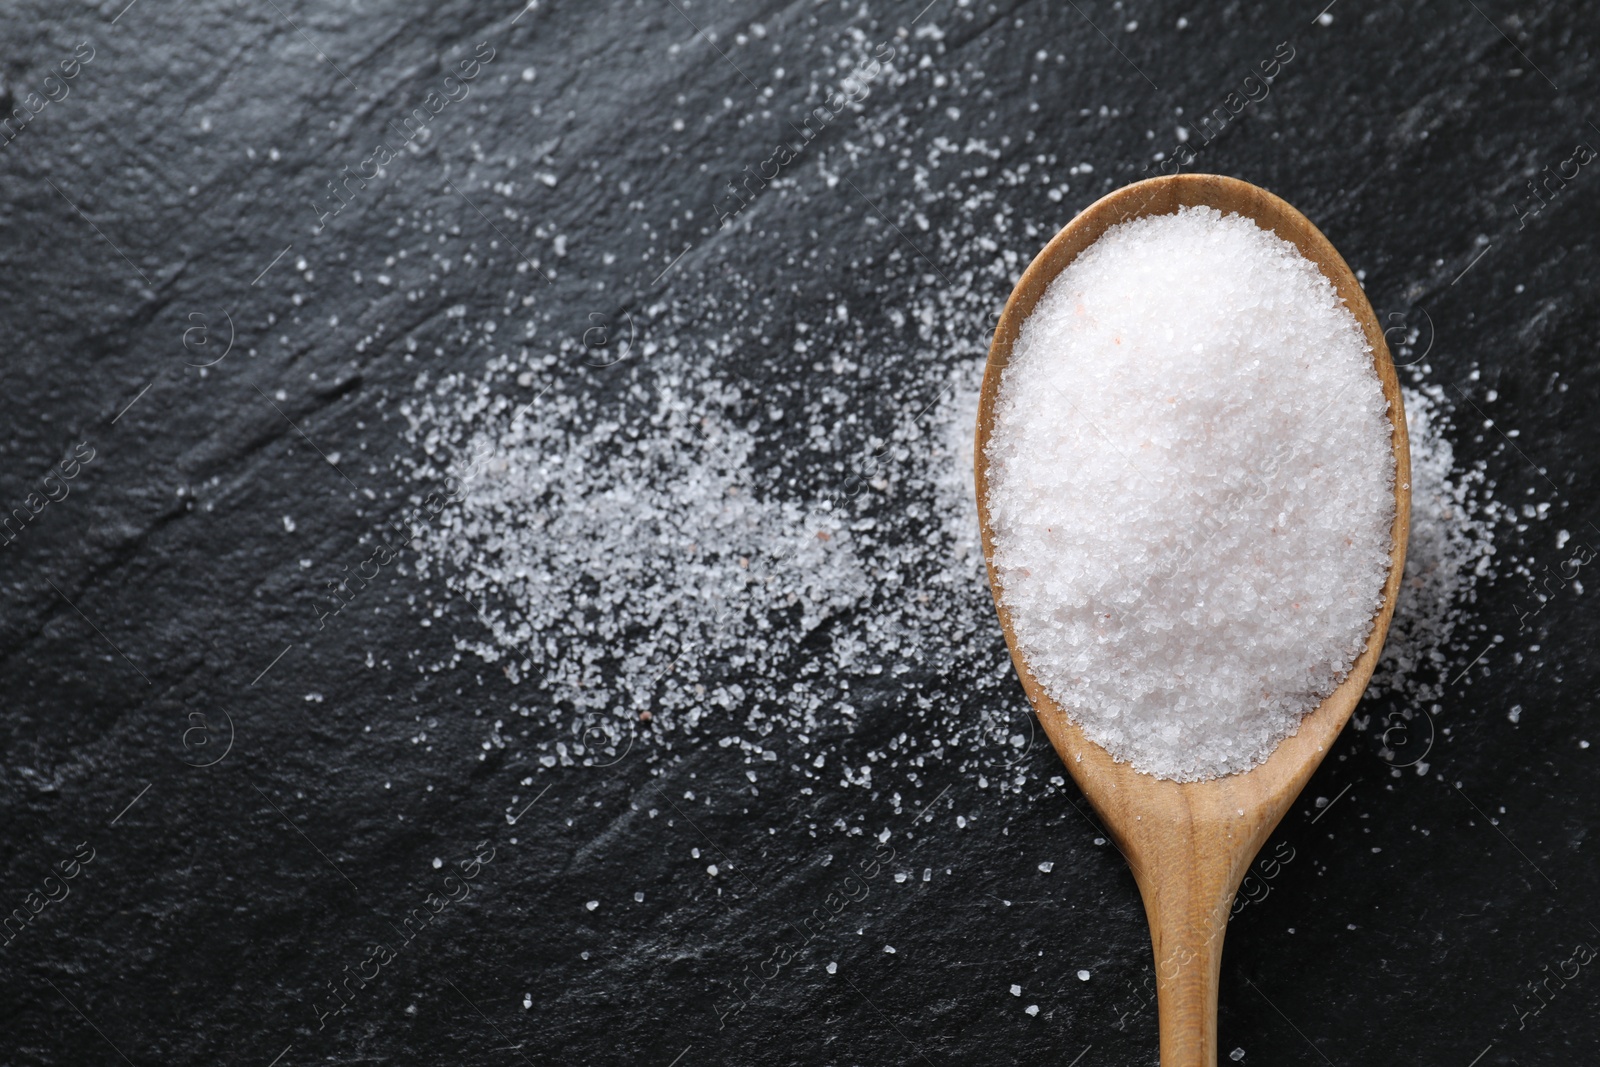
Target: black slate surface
<point>156,615</point>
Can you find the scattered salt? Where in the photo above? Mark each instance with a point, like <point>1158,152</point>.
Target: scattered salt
<point>1191,492</point>
<point>1451,545</point>
<point>637,461</point>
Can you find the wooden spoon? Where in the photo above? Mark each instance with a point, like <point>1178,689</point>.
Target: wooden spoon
<point>1189,844</point>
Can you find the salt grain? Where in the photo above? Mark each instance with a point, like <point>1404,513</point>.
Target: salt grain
<point>1191,492</point>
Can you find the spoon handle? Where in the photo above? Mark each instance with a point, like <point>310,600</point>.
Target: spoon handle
<point>1187,904</point>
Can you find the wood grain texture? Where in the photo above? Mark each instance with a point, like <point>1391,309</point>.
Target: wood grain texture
<point>1190,844</point>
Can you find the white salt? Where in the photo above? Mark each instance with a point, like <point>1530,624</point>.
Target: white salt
<point>1191,492</point>
<point>1451,546</point>
<point>518,583</point>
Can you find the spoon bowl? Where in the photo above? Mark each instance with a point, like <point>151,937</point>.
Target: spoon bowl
<point>1189,844</point>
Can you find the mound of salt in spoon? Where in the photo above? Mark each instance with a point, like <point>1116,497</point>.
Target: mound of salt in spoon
<point>1191,492</point>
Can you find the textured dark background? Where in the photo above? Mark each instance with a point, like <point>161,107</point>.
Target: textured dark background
<point>222,899</point>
